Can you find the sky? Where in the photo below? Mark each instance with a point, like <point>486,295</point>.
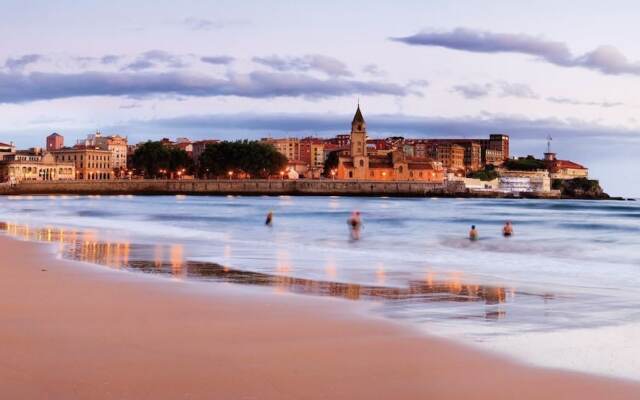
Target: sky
<point>250,69</point>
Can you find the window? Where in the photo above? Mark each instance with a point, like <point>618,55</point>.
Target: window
<point>350,174</point>
<point>362,163</point>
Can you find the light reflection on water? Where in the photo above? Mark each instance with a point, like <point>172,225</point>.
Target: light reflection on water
<point>170,260</point>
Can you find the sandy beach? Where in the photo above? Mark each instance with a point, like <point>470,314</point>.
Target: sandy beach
<point>76,331</point>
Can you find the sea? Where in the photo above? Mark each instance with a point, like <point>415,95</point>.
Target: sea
<point>562,292</point>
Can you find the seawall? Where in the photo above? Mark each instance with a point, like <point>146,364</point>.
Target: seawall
<point>244,187</point>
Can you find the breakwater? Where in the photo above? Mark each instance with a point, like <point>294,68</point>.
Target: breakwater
<point>244,187</point>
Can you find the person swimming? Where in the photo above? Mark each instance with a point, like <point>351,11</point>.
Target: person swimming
<point>473,233</point>
<point>507,229</point>
<point>355,223</point>
<point>269,220</point>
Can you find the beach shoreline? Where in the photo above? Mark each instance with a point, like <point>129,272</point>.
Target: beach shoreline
<point>71,331</point>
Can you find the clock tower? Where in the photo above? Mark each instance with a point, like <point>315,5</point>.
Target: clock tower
<point>359,145</point>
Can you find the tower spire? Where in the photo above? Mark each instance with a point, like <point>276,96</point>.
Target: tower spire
<point>358,118</point>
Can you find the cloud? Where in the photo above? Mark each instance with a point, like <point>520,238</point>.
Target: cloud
<point>154,58</point>
<point>575,102</point>
<point>310,62</point>
<point>374,70</point>
<point>501,88</point>
<point>217,60</point>
<point>202,24</point>
<point>205,24</point>
<point>109,59</point>
<point>17,88</point>
<point>519,90</point>
<point>472,91</point>
<point>605,59</point>
<point>129,106</point>
<point>16,64</point>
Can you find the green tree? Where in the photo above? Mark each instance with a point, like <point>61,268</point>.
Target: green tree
<point>179,160</point>
<point>250,157</point>
<point>151,157</point>
<point>528,163</point>
<point>331,163</point>
<point>489,173</point>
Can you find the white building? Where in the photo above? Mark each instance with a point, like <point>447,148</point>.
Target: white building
<point>525,181</point>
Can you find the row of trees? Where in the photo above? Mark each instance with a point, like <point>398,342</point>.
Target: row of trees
<point>241,158</point>
<point>153,159</point>
<point>251,158</point>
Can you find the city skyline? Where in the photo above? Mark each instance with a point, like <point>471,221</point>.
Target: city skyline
<point>230,71</point>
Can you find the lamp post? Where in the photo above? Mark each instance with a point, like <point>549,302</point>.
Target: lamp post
<point>230,174</point>
<point>282,175</point>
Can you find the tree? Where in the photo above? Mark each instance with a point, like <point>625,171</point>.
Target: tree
<point>489,173</point>
<point>179,160</point>
<point>528,163</point>
<point>151,157</point>
<point>254,158</point>
<point>331,163</point>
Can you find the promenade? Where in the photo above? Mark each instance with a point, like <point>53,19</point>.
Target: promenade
<point>239,186</point>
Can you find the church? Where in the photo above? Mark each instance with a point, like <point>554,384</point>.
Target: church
<point>358,164</point>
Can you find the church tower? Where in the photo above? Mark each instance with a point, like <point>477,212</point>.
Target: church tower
<point>359,145</point>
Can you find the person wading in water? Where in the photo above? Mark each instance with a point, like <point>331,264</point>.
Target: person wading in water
<point>355,223</point>
<point>473,233</point>
<point>269,220</point>
<point>507,229</point>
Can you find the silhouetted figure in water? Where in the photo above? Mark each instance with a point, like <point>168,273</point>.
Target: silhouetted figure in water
<point>355,224</point>
<point>269,220</point>
<point>507,229</point>
<point>473,233</point>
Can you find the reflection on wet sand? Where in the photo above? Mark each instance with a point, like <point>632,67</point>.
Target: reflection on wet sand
<point>170,260</point>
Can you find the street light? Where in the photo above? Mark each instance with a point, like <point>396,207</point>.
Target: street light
<point>230,174</point>
<point>333,174</point>
<point>282,175</point>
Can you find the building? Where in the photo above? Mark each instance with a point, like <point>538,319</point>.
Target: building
<point>357,164</point>
<point>493,157</point>
<point>525,181</point>
<point>564,169</point>
<point>342,140</point>
<point>7,149</point>
<point>197,148</point>
<point>89,163</point>
<point>116,144</point>
<point>118,147</point>
<point>33,167</point>
<point>379,145</point>
<point>289,147</point>
<point>312,152</point>
<point>451,156</point>
<point>499,142</point>
<point>55,141</point>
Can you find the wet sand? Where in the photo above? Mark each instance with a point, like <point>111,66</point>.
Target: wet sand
<point>75,331</point>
